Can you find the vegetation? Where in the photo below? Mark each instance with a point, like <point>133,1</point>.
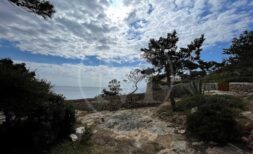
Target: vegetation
<point>213,123</point>
<point>214,119</point>
<point>72,148</point>
<point>39,7</point>
<point>238,66</point>
<point>135,77</point>
<point>113,105</point>
<point>35,117</point>
<point>86,135</point>
<point>241,54</point>
<point>231,102</point>
<point>169,62</point>
<point>114,88</point>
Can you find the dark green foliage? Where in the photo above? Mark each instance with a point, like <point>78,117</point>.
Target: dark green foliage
<point>213,123</point>
<point>86,135</point>
<point>114,88</point>
<point>168,61</point>
<point>35,117</point>
<point>229,74</point>
<point>40,7</point>
<point>214,119</point>
<point>189,102</point>
<point>180,90</point>
<point>190,88</point>
<point>238,67</point>
<point>241,51</point>
<point>199,100</point>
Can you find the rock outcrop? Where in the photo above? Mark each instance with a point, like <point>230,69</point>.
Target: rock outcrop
<point>140,131</point>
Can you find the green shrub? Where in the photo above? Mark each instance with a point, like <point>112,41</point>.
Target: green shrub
<point>214,119</point>
<point>199,100</point>
<point>69,147</point>
<point>35,117</point>
<point>86,135</point>
<point>213,123</point>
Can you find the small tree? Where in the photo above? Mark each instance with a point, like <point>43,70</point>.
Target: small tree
<point>35,117</point>
<point>135,77</point>
<point>168,61</point>
<point>239,64</point>
<point>114,88</point>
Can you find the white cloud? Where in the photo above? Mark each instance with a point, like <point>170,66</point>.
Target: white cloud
<point>79,75</point>
<point>103,29</point>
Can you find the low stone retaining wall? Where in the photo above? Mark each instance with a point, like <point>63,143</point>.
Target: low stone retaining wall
<point>210,86</point>
<point>241,86</point>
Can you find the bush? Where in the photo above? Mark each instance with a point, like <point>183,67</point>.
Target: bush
<point>35,117</point>
<point>86,135</point>
<point>215,118</point>
<point>213,123</point>
<point>198,100</point>
<point>114,88</point>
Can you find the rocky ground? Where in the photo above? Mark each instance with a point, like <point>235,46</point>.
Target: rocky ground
<point>141,131</point>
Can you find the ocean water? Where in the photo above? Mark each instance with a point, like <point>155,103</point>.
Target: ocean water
<point>77,92</point>
<point>84,92</point>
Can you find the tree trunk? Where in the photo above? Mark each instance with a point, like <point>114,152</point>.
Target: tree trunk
<point>136,88</point>
<point>172,100</point>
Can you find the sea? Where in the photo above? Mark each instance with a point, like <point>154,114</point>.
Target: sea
<point>77,92</point>
<point>71,93</point>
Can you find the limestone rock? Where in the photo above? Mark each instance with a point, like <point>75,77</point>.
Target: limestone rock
<point>246,113</point>
<point>179,130</point>
<point>164,151</point>
<point>230,149</point>
<point>73,137</point>
<point>80,130</point>
<point>197,143</point>
<point>179,147</point>
<point>194,109</point>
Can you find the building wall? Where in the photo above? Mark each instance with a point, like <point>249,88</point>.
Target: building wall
<point>241,86</point>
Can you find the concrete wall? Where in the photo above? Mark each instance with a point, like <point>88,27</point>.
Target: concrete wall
<point>241,86</point>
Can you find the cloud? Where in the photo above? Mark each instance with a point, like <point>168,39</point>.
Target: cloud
<point>79,75</point>
<point>116,30</point>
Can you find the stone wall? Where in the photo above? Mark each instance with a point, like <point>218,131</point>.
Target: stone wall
<point>241,86</point>
<point>210,86</point>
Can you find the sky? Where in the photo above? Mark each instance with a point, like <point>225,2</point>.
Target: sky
<point>89,42</point>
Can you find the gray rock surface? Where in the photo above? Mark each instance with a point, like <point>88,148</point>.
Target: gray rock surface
<point>140,131</point>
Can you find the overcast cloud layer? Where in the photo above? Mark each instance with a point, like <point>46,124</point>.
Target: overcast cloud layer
<point>115,29</point>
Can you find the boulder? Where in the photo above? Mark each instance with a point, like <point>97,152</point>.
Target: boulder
<point>73,137</point>
<point>80,130</point>
<point>197,143</point>
<point>179,147</point>
<point>194,109</point>
<point>179,131</point>
<point>230,149</point>
<point>246,113</point>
